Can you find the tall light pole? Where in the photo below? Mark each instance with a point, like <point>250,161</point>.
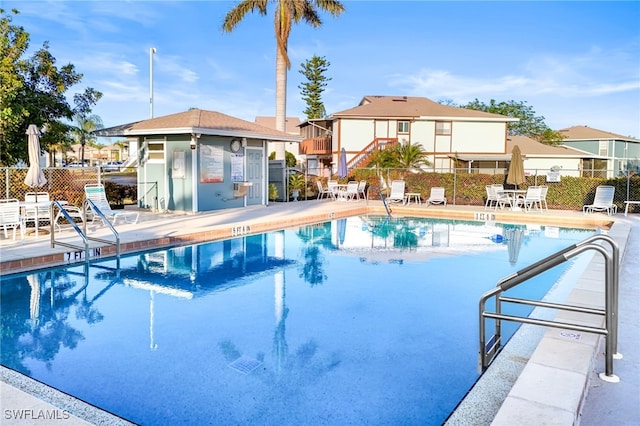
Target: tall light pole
<point>151,52</point>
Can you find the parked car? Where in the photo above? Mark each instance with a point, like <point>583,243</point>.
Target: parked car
<point>112,166</point>
<point>75,164</point>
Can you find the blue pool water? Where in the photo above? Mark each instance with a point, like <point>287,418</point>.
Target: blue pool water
<point>355,321</point>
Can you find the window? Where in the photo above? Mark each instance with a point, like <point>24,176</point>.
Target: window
<point>155,150</point>
<point>443,128</point>
<point>603,148</point>
<point>403,127</point>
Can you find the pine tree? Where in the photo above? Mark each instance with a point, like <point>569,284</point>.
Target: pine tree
<point>313,69</point>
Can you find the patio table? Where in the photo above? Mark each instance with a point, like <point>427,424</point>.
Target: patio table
<point>37,206</point>
<point>512,195</point>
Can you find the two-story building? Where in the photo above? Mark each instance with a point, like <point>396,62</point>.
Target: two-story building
<point>381,120</point>
<point>615,153</point>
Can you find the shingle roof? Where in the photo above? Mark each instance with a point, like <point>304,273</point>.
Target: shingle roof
<point>410,107</point>
<point>588,133</point>
<point>291,123</point>
<point>531,147</point>
<point>197,121</point>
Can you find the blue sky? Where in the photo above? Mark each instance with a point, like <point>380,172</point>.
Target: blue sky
<point>575,63</point>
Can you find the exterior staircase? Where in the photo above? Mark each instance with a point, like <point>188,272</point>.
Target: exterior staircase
<point>363,157</point>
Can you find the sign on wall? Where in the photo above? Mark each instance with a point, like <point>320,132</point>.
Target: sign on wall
<point>237,167</point>
<point>211,164</point>
<point>178,165</point>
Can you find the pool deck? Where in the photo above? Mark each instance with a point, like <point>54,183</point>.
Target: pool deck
<point>553,381</point>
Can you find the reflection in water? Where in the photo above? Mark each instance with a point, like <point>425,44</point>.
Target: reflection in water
<point>287,371</point>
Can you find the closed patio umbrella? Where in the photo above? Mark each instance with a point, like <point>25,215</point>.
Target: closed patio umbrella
<point>342,164</point>
<point>514,243</point>
<point>516,168</point>
<point>35,178</point>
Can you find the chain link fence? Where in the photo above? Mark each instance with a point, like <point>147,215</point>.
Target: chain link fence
<point>569,191</point>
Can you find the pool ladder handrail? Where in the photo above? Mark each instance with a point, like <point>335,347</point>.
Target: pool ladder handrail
<point>488,350</point>
<point>88,204</point>
<point>384,201</point>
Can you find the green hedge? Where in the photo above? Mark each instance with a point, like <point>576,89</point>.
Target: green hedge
<point>571,193</point>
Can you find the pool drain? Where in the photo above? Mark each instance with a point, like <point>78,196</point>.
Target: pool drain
<point>245,364</point>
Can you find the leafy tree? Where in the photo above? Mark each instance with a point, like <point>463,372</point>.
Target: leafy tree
<point>290,159</point>
<point>314,69</point>
<point>33,91</point>
<point>529,125</point>
<point>287,12</point>
<point>57,137</point>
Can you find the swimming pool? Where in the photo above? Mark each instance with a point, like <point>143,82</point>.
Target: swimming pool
<point>359,320</point>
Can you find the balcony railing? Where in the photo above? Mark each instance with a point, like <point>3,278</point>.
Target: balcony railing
<point>316,146</point>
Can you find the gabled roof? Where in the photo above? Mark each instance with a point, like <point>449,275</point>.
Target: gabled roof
<point>587,133</point>
<point>532,148</point>
<point>197,121</point>
<point>414,107</point>
<point>291,123</point>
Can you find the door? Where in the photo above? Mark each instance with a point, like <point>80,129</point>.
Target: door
<point>255,174</point>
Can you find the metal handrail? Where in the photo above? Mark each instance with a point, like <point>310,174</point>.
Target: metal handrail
<point>384,201</point>
<point>66,215</point>
<point>82,233</point>
<point>488,350</point>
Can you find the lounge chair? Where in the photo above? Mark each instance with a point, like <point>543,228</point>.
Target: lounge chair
<point>603,201</point>
<point>10,217</point>
<point>96,193</point>
<point>437,196</point>
<point>397,192</point>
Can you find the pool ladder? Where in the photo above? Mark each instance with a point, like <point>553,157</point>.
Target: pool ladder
<point>488,350</point>
<point>58,209</point>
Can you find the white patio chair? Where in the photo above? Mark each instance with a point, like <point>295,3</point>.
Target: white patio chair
<point>37,205</point>
<point>496,198</point>
<point>437,196</point>
<point>95,192</point>
<point>351,192</point>
<point>332,185</point>
<point>603,201</point>
<point>10,217</point>
<point>322,191</point>
<point>492,197</point>
<point>362,188</point>
<point>397,192</point>
<point>543,196</point>
<point>531,199</point>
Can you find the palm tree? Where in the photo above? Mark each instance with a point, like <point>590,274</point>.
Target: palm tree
<point>83,128</point>
<point>401,156</point>
<point>411,156</point>
<point>286,13</point>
